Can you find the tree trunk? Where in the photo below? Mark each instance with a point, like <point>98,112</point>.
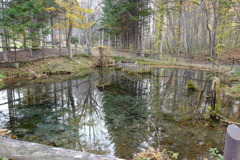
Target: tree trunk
<point>143,41</point>
<point>159,26</point>
<point>52,34</point>
<point>115,40</point>
<point>109,40</point>
<point>68,42</point>
<point>102,40</point>
<point>35,39</point>
<point>4,45</point>
<point>89,41</point>
<point>24,40</point>
<point>60,38</point>
<point>179,29</point>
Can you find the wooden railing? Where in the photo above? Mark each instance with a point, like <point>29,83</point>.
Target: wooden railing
<point>15,149</point>
<point>15,57</point>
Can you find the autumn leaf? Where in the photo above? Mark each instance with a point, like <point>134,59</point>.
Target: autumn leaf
<point>4,132</point>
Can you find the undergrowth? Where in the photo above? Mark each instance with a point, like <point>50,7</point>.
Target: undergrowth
<point>1,81</point>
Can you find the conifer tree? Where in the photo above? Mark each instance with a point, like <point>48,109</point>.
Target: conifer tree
<point>126,18</point>
<point>25,19</point>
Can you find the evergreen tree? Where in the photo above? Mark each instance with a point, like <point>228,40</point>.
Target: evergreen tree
<point>126,18</point>
<point>25,18</point>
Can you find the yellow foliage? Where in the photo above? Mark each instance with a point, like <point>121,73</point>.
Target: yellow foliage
<point>160,22</point>
<point>51,9</point>
<point>224,11</point>
<point>234,23</point>
<point>60,25</point>
<point>74,14</point>
<point>196,1</point>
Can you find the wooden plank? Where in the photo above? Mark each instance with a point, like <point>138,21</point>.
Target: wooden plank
<point>16,149</point>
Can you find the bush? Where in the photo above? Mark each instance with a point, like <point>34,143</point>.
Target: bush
<point>215,153</point>
<point>192,86</point>
<point>1,78</point>
<point>74,40</point>
<point>1,81</point>
<point>152,154</point>
<point>104,56</point>
<point>81,55</point>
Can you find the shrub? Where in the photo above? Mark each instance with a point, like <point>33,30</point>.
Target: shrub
<point>152,154</point>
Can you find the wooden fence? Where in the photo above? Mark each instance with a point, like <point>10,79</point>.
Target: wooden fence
<point>20,55</point>
<point>11,55</point>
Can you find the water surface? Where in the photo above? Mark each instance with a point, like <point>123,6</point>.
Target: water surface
<point>117,114</point>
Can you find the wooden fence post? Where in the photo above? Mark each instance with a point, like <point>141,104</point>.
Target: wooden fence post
<point>233,63</point>
<point>232,143</point>
<point>15,52</point>
<point>31,53</point>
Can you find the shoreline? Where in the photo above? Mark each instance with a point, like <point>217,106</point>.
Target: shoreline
<point>46,70</point>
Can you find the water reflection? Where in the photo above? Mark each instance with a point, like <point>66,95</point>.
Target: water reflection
<point>116,114</point>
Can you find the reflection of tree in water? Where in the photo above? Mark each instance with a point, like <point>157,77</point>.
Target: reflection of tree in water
<point>125,114</point>
<point>66,114</point>
<point>175,112</point>
<point>171,95</point>
<point>72,114</point>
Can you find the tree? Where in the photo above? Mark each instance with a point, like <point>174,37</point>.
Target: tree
<point>160,6</point>
<point>74,18</point>
<point>25,18</point>
<point>92,19</point>
<point>3,32</point>
<point>51,13</point>
<point>127,19</point>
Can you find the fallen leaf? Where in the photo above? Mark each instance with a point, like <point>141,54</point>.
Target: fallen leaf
<point>4,132</point>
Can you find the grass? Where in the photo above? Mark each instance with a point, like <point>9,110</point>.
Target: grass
<point>63,64</point>
<point>1,78</point>
<point>51,66</point>
<point>140,60</point>
<point>68,69</point>
<point>235,89</point>
<point>237,71</point>
<point>121,58</point>
<point>82,55</point>
<point>1,81</point>
<point>3,158</point>
<point>81,62</point>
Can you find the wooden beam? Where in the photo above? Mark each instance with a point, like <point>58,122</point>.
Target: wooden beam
<point>16,149</point>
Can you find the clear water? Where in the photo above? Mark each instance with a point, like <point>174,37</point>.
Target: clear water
<point>118,115</point>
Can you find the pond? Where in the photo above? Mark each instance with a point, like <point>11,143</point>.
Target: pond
<point>112,113</point>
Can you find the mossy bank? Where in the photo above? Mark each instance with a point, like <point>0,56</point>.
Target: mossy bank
<point>46,68</point>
